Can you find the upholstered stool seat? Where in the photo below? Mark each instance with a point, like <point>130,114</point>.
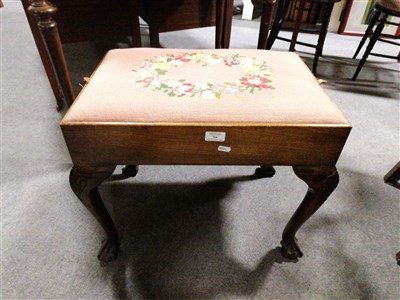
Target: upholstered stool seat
<point>393,5</point>
<point>203,86</point>
<point>204,107</point>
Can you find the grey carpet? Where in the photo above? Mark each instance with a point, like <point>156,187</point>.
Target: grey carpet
<point>196,232</point>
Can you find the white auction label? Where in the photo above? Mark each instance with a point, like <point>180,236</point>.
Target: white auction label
<point>224,149</point>
<point>213,136</point>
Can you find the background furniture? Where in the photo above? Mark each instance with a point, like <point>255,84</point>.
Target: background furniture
<point>393,176</point>
<point>171,15</point>
<point>384,9</point>
<point>267,13</point>
<point>282,11</point>
<point>356,17</point>
<point>82,20</point>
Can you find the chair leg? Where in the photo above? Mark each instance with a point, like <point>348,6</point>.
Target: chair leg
<point>371,44</point>
<point>281,10</point>
<point>135,25</point>
<point>393,176</point>
<point>297,25</point>
<point>154,36</point>
<point>328,7</point>
<point>220,13</point>
<point>368,32</point>
<point>265,23</point>
<point>227,25</point>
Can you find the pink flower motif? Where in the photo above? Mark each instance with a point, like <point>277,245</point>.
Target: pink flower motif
<point>153,74</point>
<point>228,61</point>
<point>183,89</point>
<point>184,57</point>
<point>256,81</point>
<point>148,80</point>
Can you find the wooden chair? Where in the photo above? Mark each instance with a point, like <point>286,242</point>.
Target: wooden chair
<point>163,16</point>
<point>393,178</point>
<point>281,11</point>
<point>384,9</point>
<point>200,107</point>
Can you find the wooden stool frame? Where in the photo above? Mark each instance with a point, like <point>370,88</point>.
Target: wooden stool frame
<point>95,158</point>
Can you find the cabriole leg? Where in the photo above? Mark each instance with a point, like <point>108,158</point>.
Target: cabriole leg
<point>321,182</point>
<point>265,171</point>
<point>85,182</point>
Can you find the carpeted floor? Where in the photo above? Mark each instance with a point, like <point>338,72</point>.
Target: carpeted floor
<point>196,232</point>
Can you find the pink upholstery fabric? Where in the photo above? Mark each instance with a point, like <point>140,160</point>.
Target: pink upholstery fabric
<point>263,87</point>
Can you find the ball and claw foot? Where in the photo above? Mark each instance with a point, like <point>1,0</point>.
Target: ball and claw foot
<point>108,251</point>
<point>85,185</point>
<point>290,249</point>
<point>265,171</point>
<point>321,182</point>
<point>130,170</point>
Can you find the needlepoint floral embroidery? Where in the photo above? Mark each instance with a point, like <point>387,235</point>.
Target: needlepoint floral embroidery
<point>153,73</point>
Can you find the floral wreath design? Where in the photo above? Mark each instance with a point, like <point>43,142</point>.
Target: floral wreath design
<point>153,74</point>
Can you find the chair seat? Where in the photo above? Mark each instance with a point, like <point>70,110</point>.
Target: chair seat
<point>147,85</point>
<point>393,5</point>
<point>325,1</point>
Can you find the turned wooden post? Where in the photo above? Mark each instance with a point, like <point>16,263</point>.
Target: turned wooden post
<point>43,11</point>
<point>265,23</point>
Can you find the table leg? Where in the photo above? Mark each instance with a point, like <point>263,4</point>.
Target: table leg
<point>85,182</point>
<point>321,182</point>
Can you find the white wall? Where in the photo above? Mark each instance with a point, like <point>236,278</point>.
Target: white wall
<point>337,10</point>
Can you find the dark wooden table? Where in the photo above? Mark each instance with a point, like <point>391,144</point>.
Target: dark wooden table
<point>83,20</point>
